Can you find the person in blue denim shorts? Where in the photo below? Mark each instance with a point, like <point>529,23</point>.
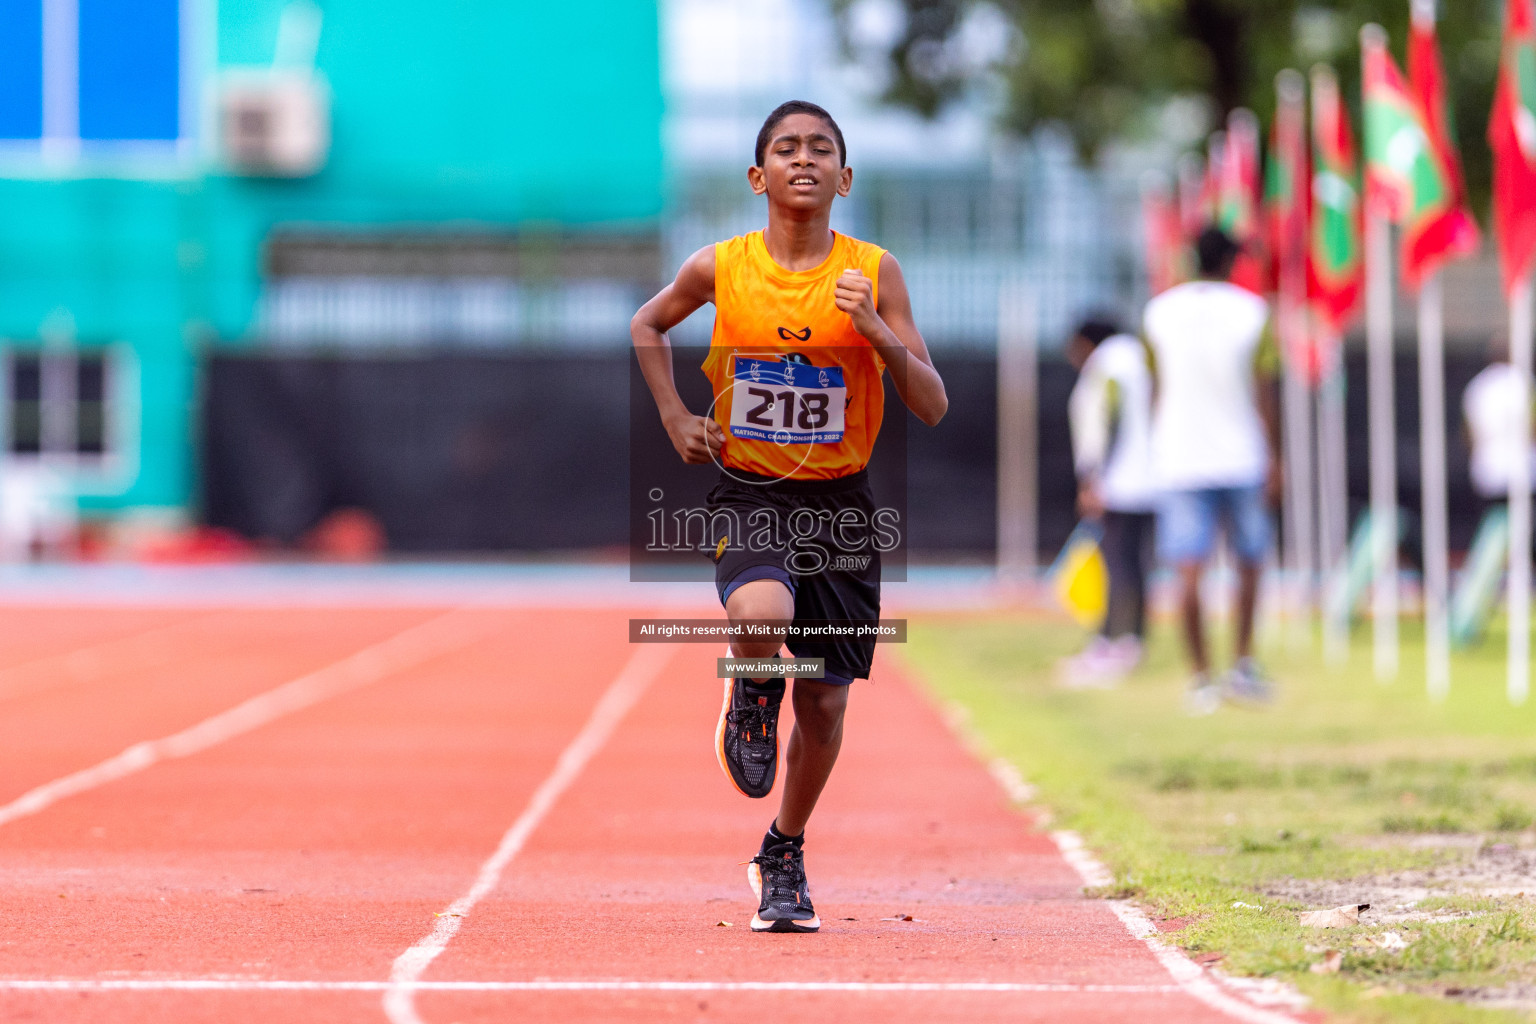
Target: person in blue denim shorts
<point>1215,451</point>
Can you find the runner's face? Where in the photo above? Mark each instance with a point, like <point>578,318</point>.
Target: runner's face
<point>801,168</point>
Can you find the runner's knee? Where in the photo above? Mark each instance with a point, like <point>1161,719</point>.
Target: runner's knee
<point>760,600</point>
<point>819,709</point>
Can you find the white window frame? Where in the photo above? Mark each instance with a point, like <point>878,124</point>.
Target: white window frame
<point>61,153</point>
<point>116,468</point>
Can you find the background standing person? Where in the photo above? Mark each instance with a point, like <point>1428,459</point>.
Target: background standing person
<point>1215,450</point>
<point>1491,406</point>
<point>1110,412</point>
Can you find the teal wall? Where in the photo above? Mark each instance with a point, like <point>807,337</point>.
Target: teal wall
<point>462,113</point>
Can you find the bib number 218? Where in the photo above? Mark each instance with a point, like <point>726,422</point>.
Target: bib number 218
<point>787,402</point>
<point>766,413</point>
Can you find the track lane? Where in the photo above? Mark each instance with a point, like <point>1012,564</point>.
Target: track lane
<point>29,635</point>
<point>211,664</point>
<point>319,847</point>
<point>633,874</point>
<point>315,847</point>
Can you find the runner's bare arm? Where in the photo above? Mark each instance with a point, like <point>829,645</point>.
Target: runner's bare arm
<point>696,438</point>
<point>895,336</point>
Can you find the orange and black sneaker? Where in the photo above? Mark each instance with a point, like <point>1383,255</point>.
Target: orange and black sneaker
<point>747,738</point>
<point>777,875</point>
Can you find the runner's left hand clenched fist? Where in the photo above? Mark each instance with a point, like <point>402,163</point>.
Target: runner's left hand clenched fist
<point>855,295</point>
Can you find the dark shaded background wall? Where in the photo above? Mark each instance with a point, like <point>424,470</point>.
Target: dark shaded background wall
<point>529,452</point>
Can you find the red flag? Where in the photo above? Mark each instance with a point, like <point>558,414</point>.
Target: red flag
<point>1512,134</point>
<point>1335,267</point>
<point>1453,234</point>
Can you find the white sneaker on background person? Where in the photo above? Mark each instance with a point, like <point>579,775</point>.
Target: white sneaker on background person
<point>1101,665</point>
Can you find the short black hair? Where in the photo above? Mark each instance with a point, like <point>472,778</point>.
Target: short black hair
<point>1215,250</point>
<point>783,110</point>
<point>1096,327</point>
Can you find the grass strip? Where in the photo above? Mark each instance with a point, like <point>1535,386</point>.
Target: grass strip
<point>1345,786</point>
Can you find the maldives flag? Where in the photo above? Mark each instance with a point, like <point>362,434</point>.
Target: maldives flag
<point>1512,134</point>
<point>1237,185</point>
<point>1285,213</point>
<point>1167,244</point>
<point>1286,178</point>
<point>1335,266</point>
<point>1237,198</point>
<point>1210,186</point>
<point>1453,234</point>
<point>1192,212</point>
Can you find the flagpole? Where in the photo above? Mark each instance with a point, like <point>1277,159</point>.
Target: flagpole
<point>1298,478</point>
<point>1301,537</point>
<point>1437,635</point>
<point>1333,502</point>
<point>1518,600</point>
<point>1383,441</point>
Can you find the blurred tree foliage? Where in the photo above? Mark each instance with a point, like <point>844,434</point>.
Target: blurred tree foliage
<point>1107,69</point>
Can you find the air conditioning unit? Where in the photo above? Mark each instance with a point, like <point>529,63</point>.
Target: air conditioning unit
<point>274,123</point>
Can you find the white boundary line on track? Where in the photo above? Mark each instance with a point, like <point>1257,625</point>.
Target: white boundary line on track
<point>402,651</point>
<point>1189,977</point>
<point>644,665</point>
<point>855,987</point>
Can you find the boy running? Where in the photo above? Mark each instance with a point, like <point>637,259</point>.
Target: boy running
<point>806,322</point>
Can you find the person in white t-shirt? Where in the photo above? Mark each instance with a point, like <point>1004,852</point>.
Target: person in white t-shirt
<point>1110,413</point>
<point>1215,444</point>
<point>1494,406</point>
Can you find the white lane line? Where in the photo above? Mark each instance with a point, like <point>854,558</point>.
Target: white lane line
<point>644,666</point>
<point>273,985</point>
<point>402,651</point>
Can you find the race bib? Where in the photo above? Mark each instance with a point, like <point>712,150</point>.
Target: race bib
<point>787,402</point>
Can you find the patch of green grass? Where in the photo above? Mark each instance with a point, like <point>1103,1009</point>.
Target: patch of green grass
<point>1344,778</point>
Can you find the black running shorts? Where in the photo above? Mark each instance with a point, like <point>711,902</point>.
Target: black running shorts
<point>820,538</point>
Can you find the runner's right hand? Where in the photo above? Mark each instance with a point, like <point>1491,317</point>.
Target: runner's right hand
<point>696,438</point>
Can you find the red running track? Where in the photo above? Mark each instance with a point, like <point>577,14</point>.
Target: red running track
<point>278,863</point>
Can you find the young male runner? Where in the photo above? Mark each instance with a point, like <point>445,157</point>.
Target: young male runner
<point>806,322</point>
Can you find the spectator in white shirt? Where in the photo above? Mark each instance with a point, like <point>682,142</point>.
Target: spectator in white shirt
<point>1110,412</point>
<point>1494,406</point>
<point>1215,446</point>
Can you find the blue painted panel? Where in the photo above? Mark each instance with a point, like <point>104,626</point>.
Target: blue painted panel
<point>21,69</point>
<point>130,69</point>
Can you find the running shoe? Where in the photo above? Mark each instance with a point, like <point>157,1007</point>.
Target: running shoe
<point>777,876</point>
<point>747,738</point>
<point>1246,683</point>
<point>1203,697</point>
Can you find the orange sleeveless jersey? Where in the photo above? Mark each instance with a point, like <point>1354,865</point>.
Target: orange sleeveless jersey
<point>763,310</point>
